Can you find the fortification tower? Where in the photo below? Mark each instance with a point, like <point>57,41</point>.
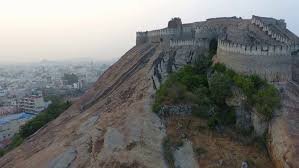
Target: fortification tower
<point>175,23</point>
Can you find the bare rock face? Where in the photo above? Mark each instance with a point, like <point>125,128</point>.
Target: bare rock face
<point>283,130</point>
<point>113,140</point>
<point>65,159</point>
<point>243,112</point>
<point>260,125</point>
<point>112,125</point>
<point>184,156</point>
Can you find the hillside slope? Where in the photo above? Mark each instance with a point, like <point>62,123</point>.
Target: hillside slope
<point>111,125</point>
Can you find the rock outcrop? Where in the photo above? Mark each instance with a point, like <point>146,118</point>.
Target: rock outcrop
<point>184,156</point>
<point>284,129</point>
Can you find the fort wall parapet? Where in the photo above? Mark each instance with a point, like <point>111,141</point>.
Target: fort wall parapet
<point>257,49</point>
<point>165,34</point>
<point>273,63</point>
<point>268,30</point>
<point>179,43</point>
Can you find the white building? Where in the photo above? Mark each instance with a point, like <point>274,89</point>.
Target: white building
<point>32,103</point>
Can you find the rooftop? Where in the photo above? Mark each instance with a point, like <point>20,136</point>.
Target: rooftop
<point>12,117</point>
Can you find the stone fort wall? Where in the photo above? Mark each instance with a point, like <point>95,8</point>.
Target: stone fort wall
<point>199,43</point>
<point>267,29</point>
<point>166,34</point>
<point>272,63</point>
<point>295,66</point>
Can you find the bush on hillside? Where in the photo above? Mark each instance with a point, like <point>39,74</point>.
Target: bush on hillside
<point>266,101</point>
<point>52,112</point>
<point>208,99</point>
<point>261,95</point>
<point>220,88</point>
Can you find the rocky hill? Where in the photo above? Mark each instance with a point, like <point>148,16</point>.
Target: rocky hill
<point>113,125</point>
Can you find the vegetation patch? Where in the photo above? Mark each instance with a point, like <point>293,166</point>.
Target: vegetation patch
<point>206,87</point>
<point>260,94</point>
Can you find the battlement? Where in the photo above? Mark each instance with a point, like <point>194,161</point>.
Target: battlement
<point>179,43</point>
<point>256,49</point>
<point>269,30</point>
<point>229,28</point>
<point>270,62</point>
<point>165,34</point>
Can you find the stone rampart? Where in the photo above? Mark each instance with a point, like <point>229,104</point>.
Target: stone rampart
<point>179,43</point>
<point>256,49</point>
<point>295,67</point>
<point>270,62</point>
<point>206,32</point>
<point>267,29</point>
<point>166,34</point>
<point>156,36</point>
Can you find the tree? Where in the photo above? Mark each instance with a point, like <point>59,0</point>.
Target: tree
<point>70,78</point>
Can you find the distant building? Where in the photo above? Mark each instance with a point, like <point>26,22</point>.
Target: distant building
<point>10,125</point>
<point>8,110</point>
<point>3,92</point>
<point>78,85</point>
<point>32,103</point>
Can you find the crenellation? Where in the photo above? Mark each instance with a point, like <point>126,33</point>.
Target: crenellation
<point>265,28</point>
<point>179,43</point>
<point>271,62</point>
<point>254,49</point>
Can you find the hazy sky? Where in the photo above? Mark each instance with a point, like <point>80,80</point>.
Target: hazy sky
<point>32,30</point>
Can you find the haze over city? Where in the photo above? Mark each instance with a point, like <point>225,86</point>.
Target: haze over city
<point>34,30</point>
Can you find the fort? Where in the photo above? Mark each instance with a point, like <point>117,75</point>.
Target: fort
<point>259,45</point>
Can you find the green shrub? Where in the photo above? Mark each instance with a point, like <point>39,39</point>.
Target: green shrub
<point>212,122</point>
<point>229,118</point>
<point>245,83</point>
<point>220,88</point>
<point>266,100</point>
<point>203,105</point>
<point>258,82</point>
<point>188,77</point>
<point>201,111</point>
<point>219,67</point>
<point>52,112</point>
<point>202,64</point>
